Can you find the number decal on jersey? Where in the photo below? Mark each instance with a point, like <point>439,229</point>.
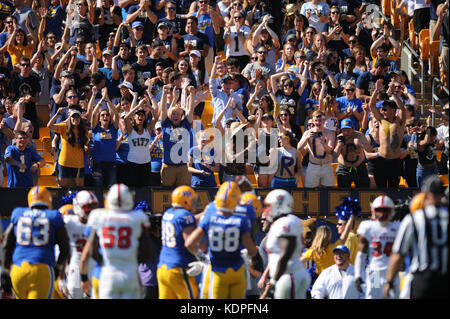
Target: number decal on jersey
<point>79,245</point>
<point>120,238</point>
<point>168,234</point>
<point>378,251</point>
<point>224,239</point>
<point>26,231</point>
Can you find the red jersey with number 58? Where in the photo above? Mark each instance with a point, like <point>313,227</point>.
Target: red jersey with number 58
<point>119,234</point>
<point>380,241</point>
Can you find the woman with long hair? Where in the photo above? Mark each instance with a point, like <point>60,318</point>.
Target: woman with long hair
<point>184,68</point>
<point>318,49</point>
<point>308,38</point>
<point>74,134</point>
<point>286,121</point>
<point>287,59</point>
<point>139,135</point>
<point>18,45</point>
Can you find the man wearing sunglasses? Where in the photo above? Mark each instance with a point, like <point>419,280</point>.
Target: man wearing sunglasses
<point>392,128</point>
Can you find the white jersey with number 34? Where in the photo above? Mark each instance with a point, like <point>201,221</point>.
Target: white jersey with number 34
<point>380,240</point>
<point>118,234</point>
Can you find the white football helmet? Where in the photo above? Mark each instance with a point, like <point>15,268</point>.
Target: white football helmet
<point>382,208</point>
<point>276,203</point>
<point>120,197</point>
<point>84,202</point>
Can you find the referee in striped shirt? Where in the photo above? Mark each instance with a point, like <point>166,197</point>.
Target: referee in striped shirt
<point>423,236</point>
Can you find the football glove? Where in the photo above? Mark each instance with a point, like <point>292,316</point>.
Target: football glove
<point>195,268</point>
<point>201,257</point>
<point>271,290</point>
<point>62,286</point>
<point>6,283</point>
<point>359,282</point>
<point>257,263</point>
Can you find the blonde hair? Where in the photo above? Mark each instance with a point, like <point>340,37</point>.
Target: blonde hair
<point>321,240</point>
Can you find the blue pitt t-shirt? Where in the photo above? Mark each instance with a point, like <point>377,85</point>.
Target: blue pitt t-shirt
<point>177,142</point>
<point>205,26</point>
<point>173,252</point>
<point>224,235</point>
<point>35,231</point>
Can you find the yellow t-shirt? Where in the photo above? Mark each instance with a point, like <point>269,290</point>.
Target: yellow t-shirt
<point>18,51</point>
<point>324,261</point>
<point>70,156</point>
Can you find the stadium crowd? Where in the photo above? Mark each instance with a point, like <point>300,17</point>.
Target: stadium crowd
<point>173,93</point>
<point>299,92</point>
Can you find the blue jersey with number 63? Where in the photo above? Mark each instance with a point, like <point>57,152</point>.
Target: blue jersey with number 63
<point>224,236</point>
<point>35,235</point>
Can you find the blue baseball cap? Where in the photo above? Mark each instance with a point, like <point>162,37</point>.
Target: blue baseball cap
<point>341,248</point>
<point>137,24</point>
<point>346,123</point>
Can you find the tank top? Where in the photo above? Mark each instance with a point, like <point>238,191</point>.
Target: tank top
<point>139,143</point>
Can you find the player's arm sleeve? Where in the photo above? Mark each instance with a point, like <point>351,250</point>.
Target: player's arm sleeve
<point>63,241</point>
<point>8,246</point>
<point>287,247</point>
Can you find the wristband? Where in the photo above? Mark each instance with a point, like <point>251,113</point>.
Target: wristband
<point>84,277</point>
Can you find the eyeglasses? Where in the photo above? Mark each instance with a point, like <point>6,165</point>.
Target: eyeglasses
<point>316,90</point>
<point>112,35</point>
<point>262,52</point>
<point>311,125</point>
<point>398,86</point>
<point>172,8</point>
<point>79,42</point>
<point>25,64</point>
<point>237,17</point>
<point>350,90</point>
<point>254,58</point>
<point>237,4</point>
<point>52,38</point>
<point>310,32</point>
<point>139,29</point>
<point>72,96</point>
<point>348,63</point>
<point>410,125</point>
<point>104,114</point>
<point>9,22</point>
<point>287,86</point>
<point>203,2</point>
<point>384,109</point>
<point>352,41</point>
<point>340,224</point>
<point>334,12</point>
<point>283,114</point>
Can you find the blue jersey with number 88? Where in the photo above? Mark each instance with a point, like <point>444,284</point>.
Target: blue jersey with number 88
<point>224,234</point>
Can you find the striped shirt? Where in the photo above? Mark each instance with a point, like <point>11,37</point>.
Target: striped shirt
<point>423,236</point>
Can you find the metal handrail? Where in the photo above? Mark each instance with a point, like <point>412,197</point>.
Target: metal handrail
<point>435,98</point>
<point>422,73</point>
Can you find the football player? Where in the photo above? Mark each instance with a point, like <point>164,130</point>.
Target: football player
<point>376,238</point>
<point>225,231</point>
<point>83,203</point>
<point>30,246</point>
<point>123,236</point>
<point>284,245</point>
<point>177,224</point>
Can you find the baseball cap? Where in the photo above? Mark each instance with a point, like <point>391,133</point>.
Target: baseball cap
<point>137,24</point>
<point>290,37</point>
<point>139,110</point>
<point>126,84</point>
<point>196,53</point>
<point>346,123</point>
<point>163,25</point>
<point>109,52</point>
<point>341,248</point>
<point>72,112</point>
<point>65,73</point>
<point>158,125</point>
